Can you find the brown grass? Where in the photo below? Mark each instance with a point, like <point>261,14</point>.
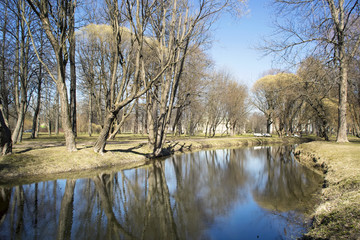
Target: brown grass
<point>338,215</point>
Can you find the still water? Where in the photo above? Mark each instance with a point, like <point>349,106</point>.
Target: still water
<point>248,193</point>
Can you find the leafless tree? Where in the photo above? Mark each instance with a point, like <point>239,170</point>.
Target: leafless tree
<point>315,88</point>
<point>22,66</point>
<point>177,25</point>
<point>55,20</point>
<point>135,80</point>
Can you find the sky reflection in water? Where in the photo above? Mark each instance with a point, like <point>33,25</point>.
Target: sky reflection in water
<point>249,193</point>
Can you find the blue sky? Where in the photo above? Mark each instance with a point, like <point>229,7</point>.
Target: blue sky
<point>235,40</point>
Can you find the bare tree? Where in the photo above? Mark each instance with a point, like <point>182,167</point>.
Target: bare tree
<point>72,44</point>
<point>215,102</point>
<point>55,19</point>
<point>39,75</point>
<point>189,100</point>
<point>354,96</point>
<point>264,99</point>
<point>315,88</point>
<point>236,106</point>
<point>22,61</point>
<point>177,26</point>
<point>4,88</point>
<point>135,80</point>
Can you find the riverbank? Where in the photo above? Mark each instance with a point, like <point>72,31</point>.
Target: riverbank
<point>338,214</point>
<point>46,158</point>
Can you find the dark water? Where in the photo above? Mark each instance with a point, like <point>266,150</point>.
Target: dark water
<point>252,193</point>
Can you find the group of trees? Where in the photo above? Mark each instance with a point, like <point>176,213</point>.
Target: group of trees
<point>301,102</point>
<point>135,59</point>
<point>306,101</point>
<point>327,31</point>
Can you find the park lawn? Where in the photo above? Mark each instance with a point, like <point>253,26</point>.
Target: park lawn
<point>46,157</point>
<point>338,214</point>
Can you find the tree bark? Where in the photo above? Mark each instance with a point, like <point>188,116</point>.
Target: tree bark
<point>57,113</point>
<point>100,143</point>
<point>90,114</point>
<point>125,115</point>
<point>65,117</point>
<point>5,134</point>
<point>136,121</point>
<point>268,124</point>
<point>23,44</point>
<point>4,89</point>
<point>342,126</point>
<point>38,102</point>
<point>72,67</point>
<point>21,99</point>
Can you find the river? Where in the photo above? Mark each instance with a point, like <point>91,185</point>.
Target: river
<point>245,193</point>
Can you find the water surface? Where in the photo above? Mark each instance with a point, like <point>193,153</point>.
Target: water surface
<point>248,193</point>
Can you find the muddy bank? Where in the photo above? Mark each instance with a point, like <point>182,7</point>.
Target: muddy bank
<point>31,163</point>
<point>338,214</point>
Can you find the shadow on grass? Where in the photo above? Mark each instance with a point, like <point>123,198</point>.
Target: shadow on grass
<point>27,149</point>
<point>4,166</point>
<point>131,150</point>
<point>172,147</point>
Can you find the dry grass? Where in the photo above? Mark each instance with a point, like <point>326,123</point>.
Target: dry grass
<point>46,158</point>
<point>338,216</point>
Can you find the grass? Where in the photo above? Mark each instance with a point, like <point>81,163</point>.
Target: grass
<point>46,158</point>
<point>338,215</point>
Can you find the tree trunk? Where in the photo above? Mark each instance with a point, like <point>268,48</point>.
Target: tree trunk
<point>177,121</point>
<point>342,128</point>
<point>21,107</point>
<point>21,132</point>
<point>136,121</point>
<point>38,102</point>
<point>57,113</point>
<point>19,122</point>
<point>49,127</point>
<point>126,113</point>
<point>18,104</point>
<point>72,67</point>
<point>151,123</point>
<point>4,89</point>
<point>65,111</point>
<point>5,134</point>
<point>37,127</point>
<point>100,143</point>
<point>268,124</point>
<point>21,67</point>
<point>90,114</point>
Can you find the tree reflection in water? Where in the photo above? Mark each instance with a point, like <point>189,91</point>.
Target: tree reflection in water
<point>189,196</point>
